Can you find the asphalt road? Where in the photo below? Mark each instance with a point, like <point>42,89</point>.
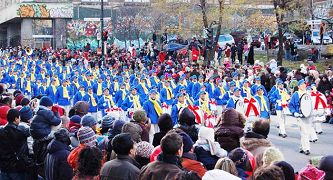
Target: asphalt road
<point>290,145</point>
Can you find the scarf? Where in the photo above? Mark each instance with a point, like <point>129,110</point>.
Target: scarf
<point>28,88</point>
<point>222,90</point>
<point>263,106</point>
<point>237,84</point>
<point>54,89</point>
<point>92,99</point>
<point>82,93</point>
<point>284,96</point>
<point>212,86</point>
<point>156,80</point>
<point>68,70</point>
<point>116,86</point>
<point>64,76</point>
<point>32,76</point>
<point>173,85</point>
<point>57,81</point>
<point>181,105</point>
<point>99,89</point>
<point>110,100</point>
<point>157,107</point>
<point>204,106</point>
<point>65,92</point>
<point>127,86</point>
<point>169,93</point>
<point>136,102</point>
<point>15,77</point>
<point>48,81</point>
<point>248,91</point>
<point>88,83</point>
<point>144,88</point>
<point>109,83</point>
<point>44,88</point>
<point>43,75</point>
<point>148,82</point>
<point>189,100</point>
<point>77,85</point>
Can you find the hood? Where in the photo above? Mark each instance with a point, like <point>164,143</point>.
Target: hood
<point>46,113</point>
<point>56,146</point>
<point>253,143</point>
<point>3,112</point>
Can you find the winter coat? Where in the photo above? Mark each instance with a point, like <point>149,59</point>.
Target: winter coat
<point>3,115</point>
<point>158,137</point>
<point>42,123</point>
<point>121,168</point>
<point>205,157</point>
<point>148,106</point>
<point>74,156</point>
<point>256,144</point>
<point>228,136</point>
<point>56,165</point>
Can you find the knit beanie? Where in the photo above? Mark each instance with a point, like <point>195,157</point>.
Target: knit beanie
<point>26,114</point>
<point>62,135</point>
<point>134,130</point>
<point>88,121</point>
<point>25,101</point>
<point>326,165</point>
<point>86,136</point>
<point>140,116</point>
<point>271,155</point>
<point>165,122</point>
<point>107,121</point>
<point>75,119</point>
<point>18,99</point>
<point>187,142</point>
<point>144,149</point>
<point>46,101</point>
<point>118,125</point>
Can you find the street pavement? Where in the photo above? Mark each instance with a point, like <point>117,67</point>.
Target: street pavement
<point>290,145</point>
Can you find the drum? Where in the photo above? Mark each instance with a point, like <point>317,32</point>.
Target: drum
<point>321,110</point>
<point>306,105</point>
<point>239,106</point>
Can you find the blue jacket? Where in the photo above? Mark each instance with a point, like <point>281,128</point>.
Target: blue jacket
<point>294,103</point>
<point>50,93</point>
<point>42,90</point>
<point>60,99</point>
<point>56,165</point>
<point>87,99</point>
<point>153,82</point>
<point>210,91</point>
<point>264,113</point>
<point>24,90</point>
<point>218,96</point>
<point>205,157</point>
<point>42,123</point>
<point>77,97</point>
<point>141,91</point>
<point>189,88</point>
<point>104,104</point>
<point>118,99</point>
<point>196,90</point>
<point>231,103</point>
<point>128,103</point>
<point>175,113</point>
<point>226,97</point>
<point>276,96</point>
<point>95,87</point>
<point>164,95</point>
<point>148,106</point>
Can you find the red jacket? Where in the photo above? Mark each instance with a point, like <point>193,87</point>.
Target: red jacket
<point>3,115</point>
<point>193,165</point>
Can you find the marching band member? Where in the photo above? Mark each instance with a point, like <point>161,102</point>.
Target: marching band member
<point>210,87</point>
<point>105,102</point>
<point>188,99</point>
<point>181,84</point>
<point>115,86</point>
<point>320,102</point>
<point>246,90</point>
<point>263,102</point>
<point>229,93</point>
<point>43,88</point>
<point>107,82</point>
<point>63,96</point>
<point>88,82</point>
<point>52,89</point>
<point>304,123</point>
<point>177,106</point>
<point>197,86</point>
<point>120,95</point>
<point>98,87</point>
<point>167,94</point>
<point>20,82</point>
<point>79,94</point>
<point>142,88</point>
<point>203,103</point>
<point>36,87</point>
<point>256,85</point>
<point>234,98</point>
<point>235,78</point>
<point>28,86</point>
<point>75,84</point>
<point>132,102</point>
<point>154,78</point>
<point>218,95</point>
<point>280,98</point>
<point>92,99</point>
<point>153,109</point>
<point>193,80</point>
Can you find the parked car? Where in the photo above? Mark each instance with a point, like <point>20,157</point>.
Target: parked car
<point>224,39</point>
<point>315,38</point>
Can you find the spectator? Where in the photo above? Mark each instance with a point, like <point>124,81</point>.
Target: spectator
<point>165,124</point>
<point>186,122</point>
<point>230,129</point>
<point>226,165</point>
<point>207,150</point>
<point>80,108</point>
<point>256,140</point>
<point>288,170</point>
<point>124,167</point>
<point>116,129</point>
<point>217,174</point>
<point>14,154</point>
<point>107,122</point>
<point>140,118</point>
<point>89,121</point>
<point>56,165</point>
<point>89,164</point>
<point>324,84</point>
<point>168,164</point>
<point>242,162</point>
<point>64,122</point>
<point>143,152</point>
<point>326,165</point>
<point>134,130</point>
<point>40,130</point>
<point>272,155</point>
<point>4,108</point>
<point>271,172</point>
<point>73,127</point>
<point>86,137</point>
<point>189,159</point>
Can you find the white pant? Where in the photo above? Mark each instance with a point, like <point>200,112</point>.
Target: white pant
<point>282,121</point>
<point>317,127</point>
<point>305,127</point>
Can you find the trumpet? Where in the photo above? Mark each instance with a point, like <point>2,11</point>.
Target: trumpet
<point>28,51</point>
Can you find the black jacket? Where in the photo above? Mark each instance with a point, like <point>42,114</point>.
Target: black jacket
<point>13,148</point>
<point>42,122</point>
<point>56,165</point>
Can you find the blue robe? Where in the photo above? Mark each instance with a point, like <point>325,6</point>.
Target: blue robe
<point>276,96</point>
<point>294,103</point>
<point>218,96</point>
<point>92,108</point>
<point>60,99</point>
<point>210,91</point>
<point>128,103</point>
<point>196,90</point>
<point>50,93</point>
<point>264,113</point>
<point>104,104</point>
<point>226,97</point>
<point>164,95</point>
<point>148,106</point>
<point>77,97</point>
<point>118,99</point>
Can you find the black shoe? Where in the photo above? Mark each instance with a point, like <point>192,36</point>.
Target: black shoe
<point>320,132</point>
<point>301,151</point>
<point>278,127</point>
<point>315,140</point>
<point>310,141</point>
<point>307,152</point>
<point>280,134</point>
<point>284,135</point>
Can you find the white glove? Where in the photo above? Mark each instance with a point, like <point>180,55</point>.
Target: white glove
<point>220,97</point>
<point>278,101</point>
<point>297,114</point>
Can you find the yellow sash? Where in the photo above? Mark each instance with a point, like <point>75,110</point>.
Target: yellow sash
<point>33,76</point>
<point>189,100</point>
<point>157,107</point>
<point>43,75</point>
<point>28,88</point>
<point>116,86</point>
<point>263,103</point>
<point>284,96</point>
<point>169,93</point>
<point>123,94</point>
<point>77,85</point>
<point>173,85</point>
<point>127,86</point>
<point>15,77</point>
<point>237,84</point>
<point>181,105</point>
<point>65,92</point>
<point>44,87</point>
<point>156,80</point>
<point>222,90</point>
<point>68,70</point>
<point>144,88</point>
<point>92,99</point>
<point>204,106</point>
<point>248,91</point>
<point>148,83</point>
<point>99,89</point>
<point>82,93</point>
<point>136,102</point>
<point>212,86</point>
<point>109,83</point>
<point>54,89</point>
<point>110,99</point>
<point>88,82</point>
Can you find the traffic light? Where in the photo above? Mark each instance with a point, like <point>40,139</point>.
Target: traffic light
<point>209,40</point>
<point>105,36</point>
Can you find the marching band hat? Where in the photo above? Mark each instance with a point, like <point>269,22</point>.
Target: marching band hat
<point>182,88</point>
<point>232,83</point>
<point>259,88</point>
<point>236,89</point>
<point>180,94</point>
<point>90,87</point>
<point>194,77</point>
<point>200,76</point>
<point>202,92</point>
<point>153,91</point>
<point>300,82</point>
<point>258,79</point>
<point>133,87</point>
<point>279,82</point>
<point>234,74</point>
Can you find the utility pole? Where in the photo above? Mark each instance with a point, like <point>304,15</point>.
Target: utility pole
<point>102,29</point>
